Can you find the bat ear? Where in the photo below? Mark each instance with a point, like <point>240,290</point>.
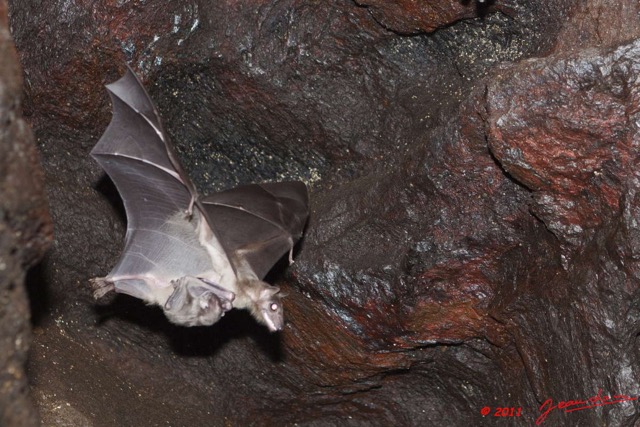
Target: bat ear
<point>269,291</point>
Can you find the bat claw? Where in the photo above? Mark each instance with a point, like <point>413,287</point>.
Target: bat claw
<point>193,303</point>
<point>226,305</point>
<point>101,287</point>
<point>189,211</point>
<point>225,296</point>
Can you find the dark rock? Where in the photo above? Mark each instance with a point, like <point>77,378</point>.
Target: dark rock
<point>410,17</point>
<point>439,273</point>
<point>25,233</point>
<point>600,23</point>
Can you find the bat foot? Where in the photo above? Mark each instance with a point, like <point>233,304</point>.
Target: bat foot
<point>101,287</point>
<point>226,297</point>
<point>196,303</point>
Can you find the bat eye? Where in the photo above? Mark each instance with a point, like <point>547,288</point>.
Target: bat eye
<point>273,306</point>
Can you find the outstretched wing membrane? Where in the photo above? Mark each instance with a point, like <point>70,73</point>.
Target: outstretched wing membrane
<point>258,223</point>
<point>136,153</point>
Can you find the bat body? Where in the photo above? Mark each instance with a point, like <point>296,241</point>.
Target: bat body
<point>195,257</point>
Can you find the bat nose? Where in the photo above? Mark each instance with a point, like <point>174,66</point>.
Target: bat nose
<point>279,325</point>
<point>274,325</point>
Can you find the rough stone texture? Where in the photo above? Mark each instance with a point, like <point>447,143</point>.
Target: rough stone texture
<point>25,233</point>
<point>566,127</point>
<point>411,17</point>
<point>577,151</point>
<point>414,17</point>
<point>472,240</point>
<point>600,23</point>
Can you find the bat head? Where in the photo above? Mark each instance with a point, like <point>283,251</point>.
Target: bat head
<point>267,308</point>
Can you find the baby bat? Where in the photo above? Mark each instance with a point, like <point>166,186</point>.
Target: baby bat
<point>195,257</point>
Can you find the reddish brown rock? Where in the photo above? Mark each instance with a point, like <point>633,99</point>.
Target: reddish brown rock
<point>600,23</point>
<point>25,233</point>
<point>411,17</point>
<point>565,128</point>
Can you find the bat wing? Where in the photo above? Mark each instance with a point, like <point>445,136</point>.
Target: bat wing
<point>138,156</point>
<point>258,223</point>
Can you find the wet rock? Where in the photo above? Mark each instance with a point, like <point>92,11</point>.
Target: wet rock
<point>565,127</point>
<point>25,233</point>
<point>575,151</point>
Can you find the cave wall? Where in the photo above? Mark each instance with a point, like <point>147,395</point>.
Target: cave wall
<point>472,236</point>
<point>25,233</point>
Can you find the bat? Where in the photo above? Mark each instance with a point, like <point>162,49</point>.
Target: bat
<point>196,257</point>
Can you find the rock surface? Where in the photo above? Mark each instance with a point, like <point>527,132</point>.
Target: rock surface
<point>410,17</point>
<point>566,128</point>
<point>473,237</point>
<point>25,233</point>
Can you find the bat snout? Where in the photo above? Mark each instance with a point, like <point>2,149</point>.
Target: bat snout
<point>273,327</point>
<point>273,319</point>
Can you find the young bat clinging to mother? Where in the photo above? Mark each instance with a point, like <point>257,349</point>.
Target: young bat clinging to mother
<point>196,257</point>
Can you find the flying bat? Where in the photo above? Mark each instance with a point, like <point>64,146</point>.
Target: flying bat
<point>196,257</point>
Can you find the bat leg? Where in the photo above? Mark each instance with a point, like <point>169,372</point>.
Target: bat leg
<point>195,303</point>
<point>291,256</point>
<point>226,297</point>
<point>101,287</point>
